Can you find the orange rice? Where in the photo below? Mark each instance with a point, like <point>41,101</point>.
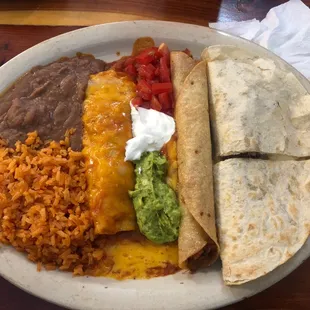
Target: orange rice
<point>43,205</point>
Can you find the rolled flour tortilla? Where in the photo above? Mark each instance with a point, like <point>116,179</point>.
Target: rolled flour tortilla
<point>198,246</point>
<point>262,214</point>
<point>255,105</point>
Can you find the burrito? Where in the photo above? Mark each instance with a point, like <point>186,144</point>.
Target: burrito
<point>198,246</point>
<point>255,105</point>
<point>263,214</point>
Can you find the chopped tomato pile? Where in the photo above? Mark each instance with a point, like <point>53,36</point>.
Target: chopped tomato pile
<point>151,71</point>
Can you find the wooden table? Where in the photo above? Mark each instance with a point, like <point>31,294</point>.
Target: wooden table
<point>43,15</point>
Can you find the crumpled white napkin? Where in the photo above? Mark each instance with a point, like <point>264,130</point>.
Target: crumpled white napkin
<point>285,31</point>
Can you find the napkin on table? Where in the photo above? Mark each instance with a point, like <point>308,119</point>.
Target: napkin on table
<point>285,31</point>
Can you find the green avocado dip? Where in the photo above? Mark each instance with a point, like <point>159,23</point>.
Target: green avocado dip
<point>157,209</point>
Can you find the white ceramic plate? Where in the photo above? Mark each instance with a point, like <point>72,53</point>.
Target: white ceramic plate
<point>203,290</point>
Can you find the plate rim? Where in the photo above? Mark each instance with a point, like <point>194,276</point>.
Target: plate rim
<point>300,76</point>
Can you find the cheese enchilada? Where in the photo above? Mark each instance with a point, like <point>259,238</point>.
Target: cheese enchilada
<point>107,127</point>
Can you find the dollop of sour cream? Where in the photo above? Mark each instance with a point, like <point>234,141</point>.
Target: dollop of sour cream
<point>151,130</point>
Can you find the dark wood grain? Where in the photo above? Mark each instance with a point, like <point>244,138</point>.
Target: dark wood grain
<point>16,39</point>
<point>192,11</point>
<point>290,293</point>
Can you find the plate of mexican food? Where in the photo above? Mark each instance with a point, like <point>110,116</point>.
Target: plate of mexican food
<point>152,165</point>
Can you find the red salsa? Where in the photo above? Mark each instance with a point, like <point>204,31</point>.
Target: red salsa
<point>150,69</point>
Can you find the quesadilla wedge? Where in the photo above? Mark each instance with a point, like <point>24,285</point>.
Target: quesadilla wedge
<point>263,216</point>
<point>255,106</point>
<point>198,244</point>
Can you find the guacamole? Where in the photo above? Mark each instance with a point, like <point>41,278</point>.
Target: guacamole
<point>157,209</point>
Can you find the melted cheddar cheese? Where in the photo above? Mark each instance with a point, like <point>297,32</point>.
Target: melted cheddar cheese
<point>107,128</point>
<point>170,151</point>
<point>131,256</point>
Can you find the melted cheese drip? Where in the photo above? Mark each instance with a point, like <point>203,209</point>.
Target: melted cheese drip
<point>131,256</point>
<point>170,151</point>
<point>107,128</point>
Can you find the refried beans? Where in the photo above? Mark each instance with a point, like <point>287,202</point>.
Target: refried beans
<point>48,99</point>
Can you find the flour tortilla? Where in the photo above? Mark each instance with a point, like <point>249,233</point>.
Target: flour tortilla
<point>255,106</point>
<point>262,214</point>
<point>198,244</point>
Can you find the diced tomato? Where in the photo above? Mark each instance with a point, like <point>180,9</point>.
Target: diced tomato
<point>167,60</point>
<point>144,90</point>
<point>137,101</point>
<point>137,65</point>
<point>158,88</point>
<point>165,53</point>
<point>146,105</point>
<point>147,72</point>
<point>143,86</point>
<point>153,81</point>
<point>165,102</point>
<point>146,96</point>
<point>145,59</point>
<point>147,56</point>
<point>129,61</point>
<point>164,72</point>
<point>157,72</point>
<point>119,64</point>
<point>169,112</point>
<point>151,68</point>
<point>155,105</point>
<point>131,70</point>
